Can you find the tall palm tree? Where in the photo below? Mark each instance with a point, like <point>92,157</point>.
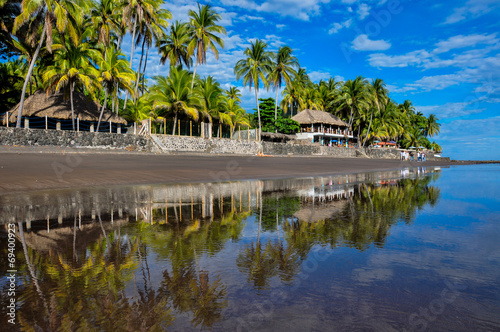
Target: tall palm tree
<point>432,127</point>
<point>115,73</point>
<point>353,97</point>
<point>283,69</point>
<point>378,94</point>
<point>174,46</point>
<point>204,28</point>
<point>138,15</point>
<point>254,69</point>
<point>172,94</point>
<point>104,20</point>
<point>151,30</point>
<point>63,14</point>
<point>292,98</point>
<point>72,65</point>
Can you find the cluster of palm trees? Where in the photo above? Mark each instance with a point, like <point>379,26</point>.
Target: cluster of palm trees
<point>73,46</point>
<point>365,106</point>
<point>76,46</point>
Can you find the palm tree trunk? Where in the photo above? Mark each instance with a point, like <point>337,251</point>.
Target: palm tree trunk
<point>28,76</point>
<point>144,70</point>
<point>102,109</point>
<point>369,125</point>
<point>137,83</point>
<point>258,112</point>
<point>276,111</point>
<point>350,118</point>
<point>194,74</point>
<point>71,88</point>
<point>131,54</point>
<point>175,122</point>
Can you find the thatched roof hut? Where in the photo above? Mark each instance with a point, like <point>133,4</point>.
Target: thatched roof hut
<point>317,117</point>
<point>55,106</point>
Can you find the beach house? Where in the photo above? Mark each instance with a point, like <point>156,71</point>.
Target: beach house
<point>323,128</point>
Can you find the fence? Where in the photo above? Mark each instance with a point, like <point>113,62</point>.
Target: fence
<point>58,124</point>
<point>157,126</point>
<point>195,129</point>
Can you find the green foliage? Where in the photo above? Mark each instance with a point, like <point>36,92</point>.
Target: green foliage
<point>282,125</point>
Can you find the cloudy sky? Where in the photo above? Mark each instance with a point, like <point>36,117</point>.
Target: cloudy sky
<point>442,55</point>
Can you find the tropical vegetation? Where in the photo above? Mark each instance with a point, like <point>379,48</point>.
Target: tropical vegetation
<point>77,46</point>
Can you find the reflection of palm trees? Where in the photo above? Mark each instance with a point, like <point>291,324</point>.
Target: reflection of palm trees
<point>191,291</point>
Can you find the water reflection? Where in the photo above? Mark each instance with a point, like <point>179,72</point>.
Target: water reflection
<point>144,258</point>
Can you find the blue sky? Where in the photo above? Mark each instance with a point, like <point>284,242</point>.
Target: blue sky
<point>442,55</point>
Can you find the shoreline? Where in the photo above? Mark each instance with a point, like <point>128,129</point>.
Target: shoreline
<point>25,169</point>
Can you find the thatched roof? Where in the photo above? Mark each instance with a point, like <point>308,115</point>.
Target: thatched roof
<point>314,116</point>
<point>57,107</point>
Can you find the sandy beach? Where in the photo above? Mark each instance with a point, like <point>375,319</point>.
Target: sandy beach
<point>28,169</point>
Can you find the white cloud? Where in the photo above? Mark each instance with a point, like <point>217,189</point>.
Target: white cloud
<point>250,18</point>
<point>448,110</point>
<point>411,58</point>
<point>300,9</point>
<point>462,41</point>
<point>280,26</point>
<point>339,26</point>
<point>472,9</point>
<point>363,11</point>
<point>317,75</point>
<point>363,43</point>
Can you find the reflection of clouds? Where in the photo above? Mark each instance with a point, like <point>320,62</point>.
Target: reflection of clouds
<point>364,275</point>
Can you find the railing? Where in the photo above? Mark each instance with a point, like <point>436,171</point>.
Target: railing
<point>327,131</point>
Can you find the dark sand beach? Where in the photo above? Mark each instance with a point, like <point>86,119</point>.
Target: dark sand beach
<point>27,169</point>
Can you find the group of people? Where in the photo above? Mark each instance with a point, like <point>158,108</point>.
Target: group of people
<point>406,155</point>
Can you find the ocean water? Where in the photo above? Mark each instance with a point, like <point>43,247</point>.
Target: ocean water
<point>406,250</point>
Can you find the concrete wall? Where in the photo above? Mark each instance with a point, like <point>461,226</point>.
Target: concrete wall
<point>208,145</point>
<point>67,138</point>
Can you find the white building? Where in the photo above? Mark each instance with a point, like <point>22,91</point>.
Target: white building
<point>324,128</point>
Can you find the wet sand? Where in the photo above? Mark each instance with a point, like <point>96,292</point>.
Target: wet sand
<point>28,169</point>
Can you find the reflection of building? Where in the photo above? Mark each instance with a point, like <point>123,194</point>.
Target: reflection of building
<point>324,128</point>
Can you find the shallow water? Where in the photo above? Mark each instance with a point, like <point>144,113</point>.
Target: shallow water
<point>408,250</point>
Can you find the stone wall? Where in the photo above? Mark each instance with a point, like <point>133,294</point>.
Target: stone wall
<point>306,150</point>
<point>168,143</point>
<point>67,138</point>
<point>207,145</point>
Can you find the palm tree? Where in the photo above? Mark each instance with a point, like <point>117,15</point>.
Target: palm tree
<point>204,33</point>
<point>254,68</point>
<point>104,20</point>
<point>72,65</point>
<point>353,97</point>
<point>237,114</point>
<point>292,98</point>
<point>115,73</point>
<point>174,46</point>
<point>151,30</point>
<point>233,93</point>
<point>379,97</point>
<point>432,127</point>
<point>64,14</point>
<point>136,15</point>
<point>212,100</point>
<point>283,64</point>
<point>172,94</point>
